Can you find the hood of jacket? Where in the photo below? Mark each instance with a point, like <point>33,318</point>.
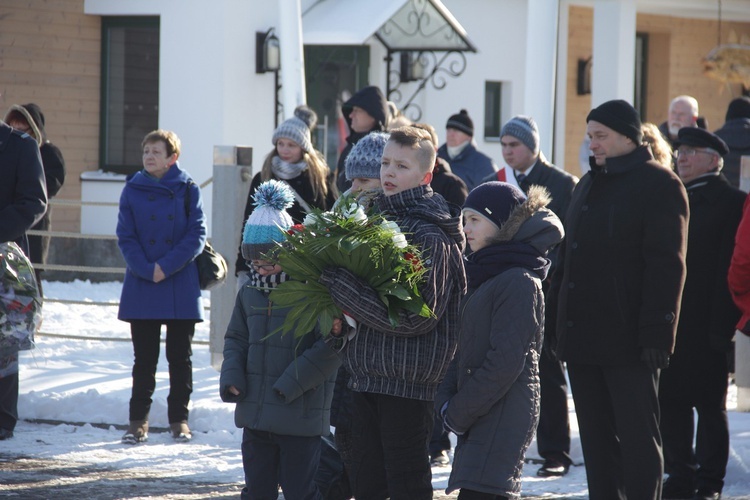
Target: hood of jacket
<point>31,114</point>
<point>736,133</point>
<point>534,224</point>
<point>372,100</point>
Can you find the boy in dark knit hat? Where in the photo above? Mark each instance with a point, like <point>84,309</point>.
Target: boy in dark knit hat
<point>461,153</point>
<point>282,384</point>
<point>366,111</point>
<point>617,297</point>
<point>395,370</point>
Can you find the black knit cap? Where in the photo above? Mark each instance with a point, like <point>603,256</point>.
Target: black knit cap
<point>699,138</point>
<point>739,108</point>
<point>621,117</point>
<point>494,200</point>
<point>462,122</point>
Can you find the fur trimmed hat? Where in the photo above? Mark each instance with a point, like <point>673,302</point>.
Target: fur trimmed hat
<point>264,228</point>
<point>297,129</point>
<point>364,158</point>
<point>621,117</point>
<point>461,121</point>
<point>525,130</point>
<point>505,205</point>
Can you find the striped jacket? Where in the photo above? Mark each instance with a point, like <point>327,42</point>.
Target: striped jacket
<point>408,360</point>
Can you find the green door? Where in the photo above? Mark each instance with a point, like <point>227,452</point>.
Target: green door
<point>333,73</point>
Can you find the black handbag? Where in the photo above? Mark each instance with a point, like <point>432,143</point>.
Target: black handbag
<point>212,267</point>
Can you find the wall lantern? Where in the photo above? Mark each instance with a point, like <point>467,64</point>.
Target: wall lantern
<point>267,52</point>
<point>412,68</point>
<point>583,79</point>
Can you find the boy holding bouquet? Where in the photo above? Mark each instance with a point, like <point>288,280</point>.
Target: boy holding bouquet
<point>395,370</point>
<point>282,384</point>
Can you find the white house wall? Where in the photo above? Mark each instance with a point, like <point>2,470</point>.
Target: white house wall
<point>499,34</point>
<point>209,93</point>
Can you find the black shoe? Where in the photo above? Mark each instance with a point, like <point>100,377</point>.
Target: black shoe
<point>553,468</point>
<point>675,489</point>
<point>440,460</point>
<point>706,494</point>
<point>5,434</point>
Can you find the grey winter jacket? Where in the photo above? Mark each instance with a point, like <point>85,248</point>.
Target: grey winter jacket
<point>492,385</point>
<point>285,384</point>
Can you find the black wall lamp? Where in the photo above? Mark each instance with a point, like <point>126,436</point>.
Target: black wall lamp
<point>584,76</point>
<point>412,68</point>
<point>267,52</point>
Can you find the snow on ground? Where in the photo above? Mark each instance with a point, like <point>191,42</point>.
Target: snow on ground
<point>88,381</point>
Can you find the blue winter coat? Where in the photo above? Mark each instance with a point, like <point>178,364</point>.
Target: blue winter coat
<point>471,165</point>
<point>153,227</point>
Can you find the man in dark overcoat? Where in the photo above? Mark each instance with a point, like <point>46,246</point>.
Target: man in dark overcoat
<point>698,373</point>
<point>23,201</point>
<point>618,288</point>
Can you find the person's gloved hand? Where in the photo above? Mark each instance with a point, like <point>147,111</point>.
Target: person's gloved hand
<point>656,359</point>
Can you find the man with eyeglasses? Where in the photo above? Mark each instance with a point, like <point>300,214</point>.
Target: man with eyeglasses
<point>698,372</point>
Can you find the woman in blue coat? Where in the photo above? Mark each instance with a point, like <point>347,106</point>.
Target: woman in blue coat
<point>161,230</point>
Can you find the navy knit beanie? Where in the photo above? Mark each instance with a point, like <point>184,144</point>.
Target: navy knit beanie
<point>494,200</point>
<point>364,159</point>
<point>462,122</point>
<point>738,108</point>
<point>525,130</point>
<point>621,117</point>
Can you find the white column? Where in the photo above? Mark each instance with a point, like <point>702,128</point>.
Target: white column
<point>613,69</point>
<point>541,57</point>
<point>232,173</point>
<point>292,56</point>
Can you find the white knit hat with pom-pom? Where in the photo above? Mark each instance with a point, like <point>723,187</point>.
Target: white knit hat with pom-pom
<point>264,228</point>
<point>298,128</point>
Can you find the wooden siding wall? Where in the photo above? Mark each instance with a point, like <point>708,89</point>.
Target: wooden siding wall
<point>676,48</point>
<point>50,55</point>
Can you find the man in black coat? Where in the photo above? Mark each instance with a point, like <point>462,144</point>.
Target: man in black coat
<point>698,373</point>
<point>365,112</point>
<point>23,200</point>
<point>519,139</point>
<point>617,290</point>
<point>736,134</point>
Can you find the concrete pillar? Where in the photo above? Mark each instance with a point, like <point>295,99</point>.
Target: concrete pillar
<point>541,57</point>
<point>231,184</point>
<point>613,65</point>
<point>292,56</point>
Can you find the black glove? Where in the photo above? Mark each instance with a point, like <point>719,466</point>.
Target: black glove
<point>656,359</point>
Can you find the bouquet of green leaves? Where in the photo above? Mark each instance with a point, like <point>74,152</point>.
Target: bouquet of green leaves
<point>372,248</point>
<point>20,302</point>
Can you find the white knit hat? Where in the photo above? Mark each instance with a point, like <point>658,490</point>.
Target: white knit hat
<point>263,229</point>
<point>297,128</point>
